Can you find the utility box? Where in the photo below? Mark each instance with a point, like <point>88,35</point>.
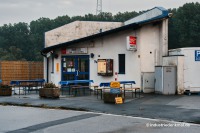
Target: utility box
<point>148,85</point>
<point>165,80</point>
<point>105,67</point>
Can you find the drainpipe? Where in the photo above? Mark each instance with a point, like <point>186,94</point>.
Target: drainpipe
<point>47,68</point>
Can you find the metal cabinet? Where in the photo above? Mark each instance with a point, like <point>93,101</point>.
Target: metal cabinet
<point>165,80</point>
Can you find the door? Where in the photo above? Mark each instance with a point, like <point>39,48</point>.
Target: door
<point>75,67</point>
<point>169,80</point>
<point>159,79</point>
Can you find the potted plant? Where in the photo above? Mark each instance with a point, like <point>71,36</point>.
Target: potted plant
<point>49,91</point>
<point>5,90</point>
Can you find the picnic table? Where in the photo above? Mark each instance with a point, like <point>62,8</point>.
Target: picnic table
<point>107,84</point>
<point>27,84</point>
<point>124,83</point>
<point>75,85</point>
<point>67,82</point>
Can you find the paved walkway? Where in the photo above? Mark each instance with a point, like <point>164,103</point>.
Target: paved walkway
<point>176,108</point>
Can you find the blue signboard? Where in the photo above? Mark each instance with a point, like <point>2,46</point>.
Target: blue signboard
<point>115,91</point>
<point>197,55</point>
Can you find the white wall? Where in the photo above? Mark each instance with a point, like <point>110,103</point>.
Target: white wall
<point>153,40</point>
<point>109,48</point>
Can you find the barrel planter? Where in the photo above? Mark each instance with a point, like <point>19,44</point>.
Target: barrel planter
<point>49,91</point>
<point>5,91</point>
<point>110,97</point>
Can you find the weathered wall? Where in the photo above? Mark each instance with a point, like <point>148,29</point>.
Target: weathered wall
<point>76,30</point>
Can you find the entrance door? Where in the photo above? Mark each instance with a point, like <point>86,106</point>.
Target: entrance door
<point>75,67</point>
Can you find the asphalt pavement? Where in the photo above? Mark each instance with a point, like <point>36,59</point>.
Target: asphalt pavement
<point>180,108</point>
<point>16,119</point>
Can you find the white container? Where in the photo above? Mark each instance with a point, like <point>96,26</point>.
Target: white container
<point>191,70</point>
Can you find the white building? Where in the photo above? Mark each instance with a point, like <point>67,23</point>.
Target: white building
<point>74,51</point>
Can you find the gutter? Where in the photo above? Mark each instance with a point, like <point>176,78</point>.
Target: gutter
<point>47,68</point>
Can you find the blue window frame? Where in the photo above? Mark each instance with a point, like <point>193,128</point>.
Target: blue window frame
<point>75,67</point>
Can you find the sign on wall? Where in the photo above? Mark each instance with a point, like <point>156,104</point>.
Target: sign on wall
<point>131,43</point>
<point>105,67</point>
<point>57,67</point>
<point>101,66</point>
<point>197,55</point>
<point>74,51</point>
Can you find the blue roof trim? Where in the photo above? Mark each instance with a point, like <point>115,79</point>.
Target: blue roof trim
<point>125,27</point>
<point>163,15</point>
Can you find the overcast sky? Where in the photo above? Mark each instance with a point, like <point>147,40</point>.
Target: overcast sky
<point>14,11</point>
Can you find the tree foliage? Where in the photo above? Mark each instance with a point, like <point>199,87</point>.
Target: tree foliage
<point>24,41</point>
<point>185,26</point>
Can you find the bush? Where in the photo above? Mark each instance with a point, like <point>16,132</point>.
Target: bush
<point>50,85</point>
<point>5,90</point>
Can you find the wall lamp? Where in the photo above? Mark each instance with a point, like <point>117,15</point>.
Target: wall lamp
<point>92,55</point>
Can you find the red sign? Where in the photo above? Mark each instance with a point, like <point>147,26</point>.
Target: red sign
<point>63,51</point>
<point>132,40</point>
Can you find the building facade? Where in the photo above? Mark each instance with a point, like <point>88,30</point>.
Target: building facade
<point>130,50</point>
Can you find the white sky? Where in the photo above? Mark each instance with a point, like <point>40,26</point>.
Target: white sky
<point>14,11</point>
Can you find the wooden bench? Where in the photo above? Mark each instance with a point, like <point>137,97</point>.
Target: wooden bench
<point>132,91</point>
<point>97,90</point>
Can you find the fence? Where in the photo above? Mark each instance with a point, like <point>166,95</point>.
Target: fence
<point>20,70</point>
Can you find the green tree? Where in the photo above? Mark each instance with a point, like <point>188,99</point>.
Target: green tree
<point>105,16</point>
<point>60,21</point>
<point>36,36</point>
<point>173,36</point>
<point>12,54</point>
<point>121,17</point>
<point>187,25</point>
